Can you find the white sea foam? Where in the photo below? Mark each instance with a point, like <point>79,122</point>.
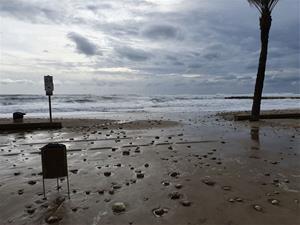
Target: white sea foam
<point>65,105</point>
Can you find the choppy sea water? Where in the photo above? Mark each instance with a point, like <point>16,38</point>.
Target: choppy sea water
<point>66,105</point>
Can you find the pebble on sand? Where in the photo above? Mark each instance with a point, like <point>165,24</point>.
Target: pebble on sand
<point>175,195</point>
<point>258,208</point>
<point>118,207</point>
<point>158,212</point>
<point>208,182</point>
<point>107,174</point>
<point>52,219</point>
<point>274,201</point>
<point>185,203</point>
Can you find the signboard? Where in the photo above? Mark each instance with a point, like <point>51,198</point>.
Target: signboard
<point>49,87</point>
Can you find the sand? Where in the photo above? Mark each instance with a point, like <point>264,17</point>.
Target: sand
<point>178,169</point>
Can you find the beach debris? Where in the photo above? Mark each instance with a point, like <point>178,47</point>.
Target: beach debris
<point>238,199</point>
<point>107,173</point>
<point>175,195</point>
<point>166,183</point>
<point>158,212</point>
<point>174,174</point>
<point>185,203</point>
<point>30,210</point>
<point>140,175</point>
<point>231,200</point>
<point>226,188</point>
<point>208,182</point>
<point>100,192</point>
<point>32,182</point>
<point>75,171</point>
<point>118,207</point>
<point>274,201</point>
<point>53,219</point>
<point>258,208</point>
<point>178,186</point>
<point>125,152</point>
<point>116,186</point>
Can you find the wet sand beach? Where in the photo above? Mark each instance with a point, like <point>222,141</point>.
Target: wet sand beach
<point>156,169</point>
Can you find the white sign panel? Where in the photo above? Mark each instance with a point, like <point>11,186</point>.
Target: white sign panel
<point>49,87</point>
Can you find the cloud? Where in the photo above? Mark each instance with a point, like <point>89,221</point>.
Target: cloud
<point>83,45</point>
<point>29,11</point>
<point>161,32</point>
<point>133,54</point>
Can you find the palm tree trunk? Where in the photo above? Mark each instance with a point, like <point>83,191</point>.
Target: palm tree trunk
<point>265,25</point>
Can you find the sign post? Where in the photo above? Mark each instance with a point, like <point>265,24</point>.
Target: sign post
<point>49,87</point>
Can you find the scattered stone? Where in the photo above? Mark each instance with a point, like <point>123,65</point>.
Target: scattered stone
<point>17,173</point>
<point>30,211</point>
<point>158,212</point>
<point>146,165</point>
<point>178,186</point>
<point>274,201</point>
<point>111,191</point>
<point>126,152</point>
<point>117,186</point>
<point>258,208</point>
<point>118,207</point>
<point>32,182</point>
<point>74,209</point>
<point>226,188</point>
<point>170,148</point>
<point>208,182</point>
<point>75,171</point>
<point>156,137</point>
<point>87,192</point>
<point>166,183</point>
<point>140,175</point>
<point>174,174</point>
<point>20,192</point>
<point>100,192</point>
<point>52,219</point>
<point>175,195</point>
<point>231,200</point>
<point>238,199</point>
<point>185,203</point>
<point>107,174</point>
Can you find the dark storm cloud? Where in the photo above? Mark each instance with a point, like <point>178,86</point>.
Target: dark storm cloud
<point>28,11</point>
<point>161,32</point>
<point>83,45</point>
<point>188,37</point>
<point>133,54</point>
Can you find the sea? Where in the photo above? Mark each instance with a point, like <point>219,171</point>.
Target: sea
<point>81,105</point>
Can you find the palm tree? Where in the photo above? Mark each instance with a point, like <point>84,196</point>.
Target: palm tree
<point>265,8</point>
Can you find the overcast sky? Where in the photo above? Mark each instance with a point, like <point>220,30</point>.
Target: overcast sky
<point>145,46</point>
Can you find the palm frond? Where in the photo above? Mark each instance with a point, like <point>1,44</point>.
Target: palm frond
<point>264,5</point>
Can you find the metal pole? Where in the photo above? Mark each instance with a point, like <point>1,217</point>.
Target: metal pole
<point>68,185</point>
<point>50,110</point>
<point>44,187</point>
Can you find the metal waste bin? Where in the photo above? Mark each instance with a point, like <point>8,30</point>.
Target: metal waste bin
<point>54,163</point>
<point>18,116</point>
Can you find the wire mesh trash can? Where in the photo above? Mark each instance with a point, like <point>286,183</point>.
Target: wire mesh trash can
<point>54,163</point>
<point>18,116</point>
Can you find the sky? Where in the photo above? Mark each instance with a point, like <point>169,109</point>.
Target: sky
<point>145,47</point>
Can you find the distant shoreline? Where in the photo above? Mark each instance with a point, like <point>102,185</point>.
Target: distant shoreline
<point>265,97</point>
